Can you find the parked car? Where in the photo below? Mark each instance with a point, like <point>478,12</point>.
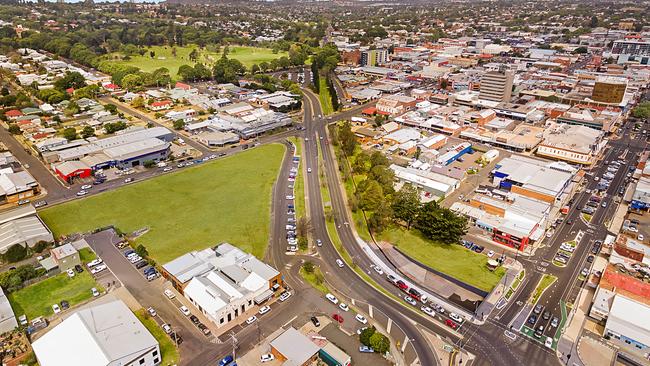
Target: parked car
<point>450,323</point>
<point>169,294</point>
<point>267,357</point>
<point>56,308</point>
<point>344,307</point>
<point>94,292</point>
<point>251,320</point>
<point>332,299</point>
<point>361,319</point>
<point>410,300</point>
<point>94,262</point>
<point>264,310</point>
<point>98,269</point>
<point>457,318</point>
<point>70,272</point>
<point>226,360</point>
<point>78,268</point>
<point>366,349</point>
<point>427,310</point>
<point>338,318</point>
<point>315,321</point>
<point>65,305</point>
<point>285,295</point>
<point>152,311</point>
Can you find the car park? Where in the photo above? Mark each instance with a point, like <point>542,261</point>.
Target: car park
<point>332,299</point>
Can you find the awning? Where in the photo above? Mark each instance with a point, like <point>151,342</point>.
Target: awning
<point>263,296</point>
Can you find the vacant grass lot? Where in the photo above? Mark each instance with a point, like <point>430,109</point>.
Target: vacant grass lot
<point>163,57</point>
<point>168,352</point>
<point>454,260</point>
<point>225,200</point>
<point>37,300</point>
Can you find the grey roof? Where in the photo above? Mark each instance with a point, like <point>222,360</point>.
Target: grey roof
<point>295,346</point>
<point>187,266</point>
<point>24,230</point>
<point>7,317</point>
<point>235,273</point>
<point>16,213</point>
<point>137,148</point>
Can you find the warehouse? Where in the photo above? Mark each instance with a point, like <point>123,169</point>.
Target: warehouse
<point>454,153</point>
<point>23,227</point>
<point>71,170</point>
<point>434,183</point>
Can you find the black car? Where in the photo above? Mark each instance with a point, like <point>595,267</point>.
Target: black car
<point>78,268</point>
<point>195,320</point>
<point>590,258</point>
<point>65,305</point>
<point>140,264</point>
<point>176,337</point>
<point>204,329</point>
<point>149,270</point>
<point>532,320</point>
<point>315,321</point>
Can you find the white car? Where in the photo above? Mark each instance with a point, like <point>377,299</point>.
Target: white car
<point>427,310</point>
<point>167,328</point>
<point>290,197</point>
<point>168,169</point>
<point>152,311</point>
<point>264,310</point>
<point>332,299</point>
<point>251,320</point>
<point>640,237</point>
<point>343,306</point>
<point>285,295</point>
<point>98,269</point>
<point>185,310</point>
<point>549,342</point>
<point>339,263</point>
<point>308,170</point>
<point>56,309</point>
<point>86,187</point>
<point>455,317</point>
<point>70,272</point>
<point>169,294</point>
<point>94,262</point>
<point>490,254</point>
<point>81,193</point>
<point>361,319</point>
<point>267,357</point>
<point>410,300</point>
<point>378,269</point>
<point>94,292</point>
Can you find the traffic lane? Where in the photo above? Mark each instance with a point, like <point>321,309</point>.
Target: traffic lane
<point>148,294</point>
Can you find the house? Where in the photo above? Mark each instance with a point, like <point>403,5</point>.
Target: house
<point>160,105</point>
<point>13,114</point>
<point>110,87</point>
<point>65,256</point>
<point>101,335</point>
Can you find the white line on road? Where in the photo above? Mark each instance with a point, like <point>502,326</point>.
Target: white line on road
<point>290,321</point>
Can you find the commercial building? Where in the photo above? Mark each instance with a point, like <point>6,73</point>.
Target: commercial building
<point>599,119</point>
<point>71,170</point>
<point>22,226</point>
<point>16,186</point>
<point>629,322</point>
<point>573,144</point>
<point>247,123</point>
<point>454,153</point>
<point>7,317</point>
<point>532,178</point>
<point>497,85</point>
<point>103,335</point>
<point>641,196</point>
<point>294,348</point>
<point>373,57</point>
<point>437,184</point>
<point>609,89</point>
<point>626,50</point>
<point>222,282</point>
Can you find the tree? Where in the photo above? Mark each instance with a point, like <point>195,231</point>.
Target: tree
<point>255,69</point>
<point>361,163</point>
<point>264,66</point>
<point>186,72</point>
<point>110,108</point>
<point>308,267</point>
<point>304,227</point>
<point>194,55</point>
<point>380,343</point>
<point>227,70</point>
<point>580,50</point>
<point>15,253</point>
<point>179,124</point>
<point>152,54</point>
<point>141,251</point>
<point>137,102</point>
<point>440,224</point>
<point>384,176</point>
<point>132,81</point>
<point>14,129</point>
<point>371,196</point>
<point>70,80</point>
<point>70,133</point>
<point>642,110</point>
<point>72,109</point>
<point>406,205</point>
<point>347,139</point>
<point>87,132</point>
<point>303,243</point>
<point>366,334</point>
<point>377,158</point>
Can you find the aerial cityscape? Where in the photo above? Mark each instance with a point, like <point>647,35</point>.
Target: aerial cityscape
<point>309,183</point>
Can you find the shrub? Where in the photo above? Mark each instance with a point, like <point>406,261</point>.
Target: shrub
<point>15,253</point>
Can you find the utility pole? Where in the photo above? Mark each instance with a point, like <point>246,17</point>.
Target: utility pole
<point>233,339</point>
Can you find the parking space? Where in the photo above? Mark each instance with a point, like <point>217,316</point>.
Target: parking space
<point>637,226</point>
<point>291,217</point>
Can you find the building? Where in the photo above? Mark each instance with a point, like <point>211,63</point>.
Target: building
<point>374,57</point>
<point>641,196</point>
<point>103,335</point>
<point>573,144</point>
<point>7,317</point>
<point>395,104</point>
<point>66,257</point>
<point>18,186</point>
<point>21,226</point>
<point>222,282</point>
<point>532,178</point>
<point>72,170</point>
<point>629,322</point>
<point>437,184</point>
<point>600,119</point>
<point>631,50</point>
<point>294,348</point>
<point>497,85</point>
<point>609,89</point>
<point>454,153</point>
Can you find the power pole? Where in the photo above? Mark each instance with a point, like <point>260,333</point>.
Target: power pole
<point>233,339</point>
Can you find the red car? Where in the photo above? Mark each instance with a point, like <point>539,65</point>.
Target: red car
<point>402,285</point>
<point>451,324</point>
<point>338,318</point>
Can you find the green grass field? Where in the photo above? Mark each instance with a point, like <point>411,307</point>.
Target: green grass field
<point>454,260</point>
<point>163,57</point>
<point>225,200</point>
<point>168,352</point>
<point>324,96</point>
<point>37,300</point>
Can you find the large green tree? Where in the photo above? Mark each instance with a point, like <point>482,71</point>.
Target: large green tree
<point>440,224</point>
<point>406,205</point>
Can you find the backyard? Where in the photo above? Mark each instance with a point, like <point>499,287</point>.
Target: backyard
<point>226,200</point>
<point>37,300</point>
<point>163,57</point>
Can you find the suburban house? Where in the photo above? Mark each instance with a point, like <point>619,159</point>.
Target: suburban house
<point>65,256</point>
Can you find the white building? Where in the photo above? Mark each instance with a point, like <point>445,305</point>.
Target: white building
<point>571,143</point>
<point>103,335</point>
<point>629,322</point>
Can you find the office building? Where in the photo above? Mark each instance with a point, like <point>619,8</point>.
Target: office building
<point>631,50</point>
<point>497,85</point>
<point>609,89</point>
<point>374,57</point>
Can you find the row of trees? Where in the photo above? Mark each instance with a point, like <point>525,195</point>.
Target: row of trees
<point>385,206</point>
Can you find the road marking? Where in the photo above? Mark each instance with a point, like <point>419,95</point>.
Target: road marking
<point>290,321</point>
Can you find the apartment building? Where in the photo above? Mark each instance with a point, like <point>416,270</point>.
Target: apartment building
<point>497,85</point>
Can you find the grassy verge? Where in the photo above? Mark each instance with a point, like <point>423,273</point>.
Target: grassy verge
<point>315,279</point>
<point>546,281</point>
<point>86,255</point>
<point>324,96</point>
<point>586,217</point>
<point>299,184</point>
<point>169,352</point>
<point>226,200</point>
<point>37,299</point>
<point>518,280</point>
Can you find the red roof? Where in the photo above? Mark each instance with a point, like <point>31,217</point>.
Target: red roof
<point>182,86</point>
<point>38,136</point>
<point>369,110</point>
<point>70,90</point>
<point>161,103</point>
<point>111,87</point>
<point>13,113</point>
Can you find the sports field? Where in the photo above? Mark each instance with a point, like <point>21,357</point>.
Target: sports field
<point>164,58</point>
<point>226,200</point>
